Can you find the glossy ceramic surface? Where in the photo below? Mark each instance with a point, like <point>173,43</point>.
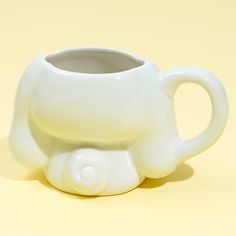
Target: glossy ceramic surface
<point>99,121</point>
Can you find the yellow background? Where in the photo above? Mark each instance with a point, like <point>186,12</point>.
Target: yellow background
<point>200,197</point>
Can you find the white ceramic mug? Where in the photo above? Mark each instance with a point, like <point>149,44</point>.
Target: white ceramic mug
<point>99,121</point>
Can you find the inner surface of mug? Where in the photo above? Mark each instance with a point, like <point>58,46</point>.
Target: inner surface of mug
<point>94,61</point>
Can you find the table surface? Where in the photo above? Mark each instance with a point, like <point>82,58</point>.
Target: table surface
<point>199,198</point>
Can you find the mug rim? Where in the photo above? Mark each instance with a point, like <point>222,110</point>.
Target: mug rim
<point>143,61</point>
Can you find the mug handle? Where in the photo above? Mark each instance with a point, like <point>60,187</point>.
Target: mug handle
<point>171,79</point>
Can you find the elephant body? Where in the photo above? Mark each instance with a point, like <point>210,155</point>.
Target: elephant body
<point>97,132</point>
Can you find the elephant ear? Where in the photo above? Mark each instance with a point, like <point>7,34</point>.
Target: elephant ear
<point>23,142</point>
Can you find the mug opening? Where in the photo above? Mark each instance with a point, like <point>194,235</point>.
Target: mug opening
<point>94,61</point>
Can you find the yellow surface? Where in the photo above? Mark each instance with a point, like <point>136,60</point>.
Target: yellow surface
<point>200,197</point>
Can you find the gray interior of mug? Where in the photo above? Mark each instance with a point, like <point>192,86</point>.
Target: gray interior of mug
<point>95,61</point>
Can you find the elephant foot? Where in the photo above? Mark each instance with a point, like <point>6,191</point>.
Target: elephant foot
<point>89,171</point>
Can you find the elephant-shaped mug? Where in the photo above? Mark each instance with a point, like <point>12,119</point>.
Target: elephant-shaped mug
<point>98,121</point>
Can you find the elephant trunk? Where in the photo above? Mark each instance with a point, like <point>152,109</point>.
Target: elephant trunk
<point>87,171</point>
